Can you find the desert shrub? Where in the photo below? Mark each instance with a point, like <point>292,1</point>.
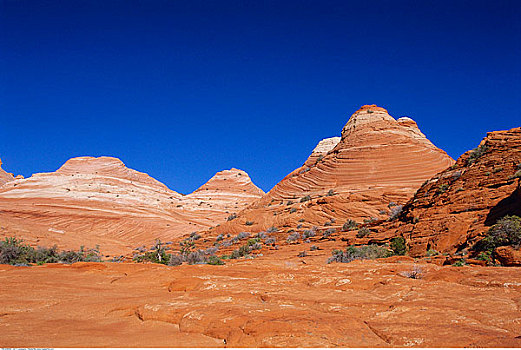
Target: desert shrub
<point>460,262</point>
<point>476,153</point>
<point>156,255</point>
<point>398,246</point>
<point>305,199</point>
<point>219,238</point>
<point>395,212</point>
<point>314,247</point>
<point>186,246</point>
<point>485,256</point>
<point>363,232</point>
<point>372,251</point>
<point>272,229</point>
<point>507,231</point>
<point>328,232</point>
<point>302,254</point>
<point>331,193</point>
<point>256,246</point>
<point>442,188</point>
<point>308,233</point>
<point>214,260</point>
<point>370,220</point>
<point>270,240</point>
<point>13,251</point>
<point>432,252</point>
<point>517,175</point>
<point>293,237</point>
<point>261,235</point>
<point>252,241</point>
<point>231,217</point>
<point>196,257</point>
<point>290,203</point>
<point>44,255</point>
<point>243,235</point>
<point>249,223</point>
<point>349,225</point>
<point>90,255</point>
<point>175,260</point>
<point>195,236</point>
<point>211,251</point>
<point>415,273</point>
<point>293,210</point>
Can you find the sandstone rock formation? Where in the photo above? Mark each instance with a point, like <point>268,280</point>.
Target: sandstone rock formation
<point>274,301</point>
<point>91,201</point>
<point>377,160</point>
<point>4,176</point>
<point>454,209</point>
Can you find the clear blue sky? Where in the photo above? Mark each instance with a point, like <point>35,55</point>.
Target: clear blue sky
<point>183,89</point>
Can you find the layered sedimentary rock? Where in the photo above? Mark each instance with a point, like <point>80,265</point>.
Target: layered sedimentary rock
<point>376,161</point>
<point>4,176</point>
<point>274,301</point>
<point>455,208</point>
<point>91,201</point>
<point>228,191</point>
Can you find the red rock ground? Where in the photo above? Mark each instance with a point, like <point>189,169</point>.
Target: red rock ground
<point>278,300</point>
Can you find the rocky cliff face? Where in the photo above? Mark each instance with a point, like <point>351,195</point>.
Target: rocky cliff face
<point>4,176</point>
<point>92,201</point>
<point>377,160</point>
<point>453,209</point>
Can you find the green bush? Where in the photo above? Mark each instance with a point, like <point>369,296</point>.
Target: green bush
<point>476,154</point>
<point>349,225</point>
<point>398,246</point>
<point>214,260</point>
<point>506,232</point>
<point>14,252</point>
<point>363,232</point>
<point>372,251</point>
<point>305,199</point>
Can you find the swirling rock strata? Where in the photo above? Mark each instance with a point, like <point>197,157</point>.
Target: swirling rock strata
<point>377,160</point>
<point>455,208</point>
<point>91,201</point>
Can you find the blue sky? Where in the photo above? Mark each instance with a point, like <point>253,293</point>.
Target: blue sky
<point>183,89</point>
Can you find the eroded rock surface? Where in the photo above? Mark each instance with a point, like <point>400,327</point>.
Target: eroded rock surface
<point>454,209</point>
<point>4,176</point>
<point>99,201</point>
<point>266,302</point>
<point>377,160</point>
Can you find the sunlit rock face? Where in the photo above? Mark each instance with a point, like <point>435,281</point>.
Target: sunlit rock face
<point>91,201</point>
<point>377,160</point>
<point>4,176</point>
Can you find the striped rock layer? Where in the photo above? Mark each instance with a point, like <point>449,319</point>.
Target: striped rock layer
<point>91,201</point>
<point>376,161</point>
<point>455,208</point>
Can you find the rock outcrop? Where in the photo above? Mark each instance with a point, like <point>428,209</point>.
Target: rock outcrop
<point>376,161</point>
<point>4,176</point>
<point>455,208</point>
<point>91,201</point>
<point>265,302</point>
